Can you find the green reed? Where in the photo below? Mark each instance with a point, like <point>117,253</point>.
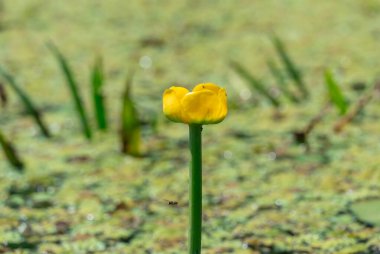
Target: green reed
<point>10,153</point>
<point>255,83</point>
<point>3,96</point>
<point>97,82</point>
<point>130,132</point>
<point>73,87</point>
<point>281,82</point>
<point>27,102</point>
<point>335,93</point>
<point>289,65</point>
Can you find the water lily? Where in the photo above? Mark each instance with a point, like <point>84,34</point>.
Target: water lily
<point>206,104</point>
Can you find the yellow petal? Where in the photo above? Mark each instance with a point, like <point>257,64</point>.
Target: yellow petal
<point>222,95</point>
<point>204,106</point>
<point>172,103</point>
<point>208,86</point>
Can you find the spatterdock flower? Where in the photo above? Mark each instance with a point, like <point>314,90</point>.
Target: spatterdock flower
<point>206,104</point>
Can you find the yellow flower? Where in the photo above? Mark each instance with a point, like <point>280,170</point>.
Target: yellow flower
<point>206,104</point>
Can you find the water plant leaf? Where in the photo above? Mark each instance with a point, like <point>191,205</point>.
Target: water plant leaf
<point>289,65</point>
<point>25,99</point>
<point>73,86</point>
<point>281,83</point>
<point>367,211</point>
<point>335,93</point>
<point>97,82</point>
<point>10,153</point>
<point>255,83</point>
<point>130,124</point>
<point>3,96</point>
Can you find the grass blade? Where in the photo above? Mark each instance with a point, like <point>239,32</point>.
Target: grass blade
<point>73,86</point>
<point>25,99</point>
<point>335,93</point>
<point>130,124</point>
<point>97,81</point>
<point>10,153</point>
<point>255,83</point>
<point>290,67</point>
<point>281,83</point>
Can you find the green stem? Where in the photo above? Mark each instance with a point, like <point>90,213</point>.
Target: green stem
<point>10,153</point>
<point>195,189</point>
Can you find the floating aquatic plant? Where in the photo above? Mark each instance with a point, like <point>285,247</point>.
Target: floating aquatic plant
<point>255,83</point>
<point>335,93</point>
<point>366,211</point>
<point>97,81</point>
<point>289,65</point>
<point>25,99</point>
<point>130,132</point>
<point>73,86</point>
<point>10,153</point>
<point>206,104</point>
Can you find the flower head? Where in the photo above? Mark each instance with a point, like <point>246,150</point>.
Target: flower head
<point>206,104</point>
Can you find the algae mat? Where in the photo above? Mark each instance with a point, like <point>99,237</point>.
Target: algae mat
<point>262,194</point>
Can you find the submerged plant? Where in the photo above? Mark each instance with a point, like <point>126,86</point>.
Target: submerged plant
<point>130,132</point>
<point>206,104</point>
<point>97,81</point>
<point>10,153</point>
<point>73,86</point>
<point>25,99</point>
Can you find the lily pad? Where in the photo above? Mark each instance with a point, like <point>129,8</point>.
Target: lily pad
<point>367,211</point>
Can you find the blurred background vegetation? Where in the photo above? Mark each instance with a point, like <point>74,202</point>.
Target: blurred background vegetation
<point>263,193</point>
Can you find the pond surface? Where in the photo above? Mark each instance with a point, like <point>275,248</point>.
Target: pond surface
<point>262,192</point>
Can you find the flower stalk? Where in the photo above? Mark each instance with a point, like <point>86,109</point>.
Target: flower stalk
<point>195,192</point>
<point>205,104</point>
